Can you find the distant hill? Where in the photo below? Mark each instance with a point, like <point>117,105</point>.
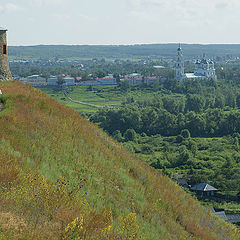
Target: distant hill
<point>63,178</point>
<point>121,51</point>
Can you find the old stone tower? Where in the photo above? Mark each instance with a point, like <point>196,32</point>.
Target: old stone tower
<point>5,74</point>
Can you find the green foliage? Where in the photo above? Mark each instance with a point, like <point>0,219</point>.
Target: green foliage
<point>130,135</point>
<point>63,178</point>
<point>185,133</point>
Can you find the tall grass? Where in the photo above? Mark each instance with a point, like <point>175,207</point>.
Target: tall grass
<point>63,178</point>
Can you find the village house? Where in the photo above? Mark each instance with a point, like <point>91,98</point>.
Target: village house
<point>107,80</point>
<point>138,79</point>
<point>204,189</point>
<point>228,217</point>
<point>68,81</point>
<point>52,81</point>
<point>134,78</point>
<point>36,80</point>
<point>151,80</point>
<point>88,83</point>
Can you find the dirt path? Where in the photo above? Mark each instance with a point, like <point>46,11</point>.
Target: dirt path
<point>87,104</point>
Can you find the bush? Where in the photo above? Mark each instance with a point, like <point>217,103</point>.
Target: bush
<point>130,135</point>
<point>185,133</point>
<point>179,138</point>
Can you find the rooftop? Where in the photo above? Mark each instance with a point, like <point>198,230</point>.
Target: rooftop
<point>204,187</point>
<point>192,75</point>
<point>220,213</point>
<point>3,29</point>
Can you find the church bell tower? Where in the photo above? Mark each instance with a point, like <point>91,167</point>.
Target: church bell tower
<point>180,64</point>
<point>5,74</point>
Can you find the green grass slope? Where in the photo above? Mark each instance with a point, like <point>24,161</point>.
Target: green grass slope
<point>63,178</point>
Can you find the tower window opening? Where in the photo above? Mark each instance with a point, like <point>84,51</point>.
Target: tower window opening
<point>4,49</point>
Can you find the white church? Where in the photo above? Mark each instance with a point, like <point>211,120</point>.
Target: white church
<point>204,69</point>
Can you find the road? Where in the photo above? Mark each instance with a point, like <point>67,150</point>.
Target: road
<point>87,104</point>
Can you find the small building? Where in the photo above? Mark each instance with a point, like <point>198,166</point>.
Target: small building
<point>134,78</point>
<point>52,81</point>
<point>219,212</point>
<point>69,81</point>
<point>78,79</point>
<point>228,217</point>
<point>204,189</point>
<point>36,80</point>
<point>151,80</point>
<point>108,80</point>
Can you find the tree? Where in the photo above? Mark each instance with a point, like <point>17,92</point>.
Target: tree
<point>125,85</point>
<point>185,133</point>
<point>100,73</point>
<point>195,103</point>
<point>118,136</point>
<point>184,155</point>
<point>60,81</point>
<point>130,135</point>
<point>179,138</point>
<point>238,100</point>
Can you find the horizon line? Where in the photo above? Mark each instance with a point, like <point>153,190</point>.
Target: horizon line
<point>133,44</point>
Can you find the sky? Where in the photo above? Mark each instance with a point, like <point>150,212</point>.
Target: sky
<point>104,22</point>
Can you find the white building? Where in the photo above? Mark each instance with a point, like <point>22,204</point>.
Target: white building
<point>180,65</point>
<point>204,69</point>
<point>52,81</point>
<point>69,81</point>
<point>134,78</point>
<point>36,80</point>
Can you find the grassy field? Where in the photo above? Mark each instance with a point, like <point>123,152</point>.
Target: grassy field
<point>98,95</point>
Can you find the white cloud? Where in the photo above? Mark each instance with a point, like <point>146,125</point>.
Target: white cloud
<point>10,8</point>
<point>191,11</point>
<point>48,2</point>
<point>128,21</point>
<point>86,17</point>
<point>62,17</point>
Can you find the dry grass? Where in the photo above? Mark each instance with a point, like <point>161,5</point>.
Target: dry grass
<point>56,167</point>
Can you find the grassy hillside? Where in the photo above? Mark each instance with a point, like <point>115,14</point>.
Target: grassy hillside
<point>63,178</point>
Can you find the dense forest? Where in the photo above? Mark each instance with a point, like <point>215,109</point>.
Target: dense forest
<point>205,108</point>
<point>191,127</point>
<point>121,51</point>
